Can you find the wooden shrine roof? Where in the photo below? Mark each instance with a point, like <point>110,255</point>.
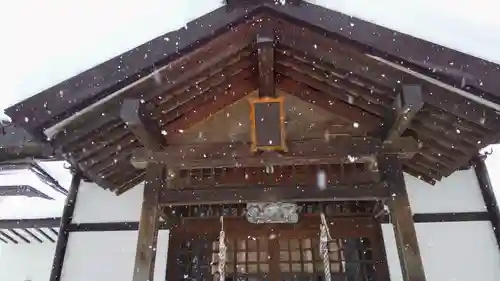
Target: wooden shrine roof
<point>337,66</point>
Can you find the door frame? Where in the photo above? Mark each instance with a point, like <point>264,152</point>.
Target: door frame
<point>342,226</point>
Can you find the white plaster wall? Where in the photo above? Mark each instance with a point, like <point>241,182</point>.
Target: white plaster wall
<point>22,262</point>
<point>451,251</point>
<point>94,204</point>
<point>104,256</point>
<point>457,193</point>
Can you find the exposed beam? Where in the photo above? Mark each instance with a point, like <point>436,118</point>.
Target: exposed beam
<point>166,82</point>
<point>404,109</point>
<point>186,92</point>
<point>202,107</point>
<point>133,112</point>
<point>149,223</point>
<point>334,151</point>
<point>53,230</point>
<point>276,193</point>
<point>16,143</point>
<point>6,236</point>
<point>22,190</point>
<point>45,235</point>
<point>13,231</point>
<point>343,110</point>
<point>32,235</point>
<point>351,85</point>
<point>331,91</point>
<point>265,46</point>
<point>29,223</point>
<point>402,219</point>
<point>193,41</point>
<point>328,50</point>
<point>31,165</point>
<point>382,41</point>
<point>47,178</point>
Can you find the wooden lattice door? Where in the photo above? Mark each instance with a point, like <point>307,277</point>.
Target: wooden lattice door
<point>277,253</point>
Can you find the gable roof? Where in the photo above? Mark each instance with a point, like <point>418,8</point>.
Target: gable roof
<point>447,65</point>
<point>183,55</point>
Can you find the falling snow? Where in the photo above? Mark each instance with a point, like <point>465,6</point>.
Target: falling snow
<point>426,29</point>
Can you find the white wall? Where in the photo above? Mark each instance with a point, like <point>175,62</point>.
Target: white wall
<point>104,256</point>
<point>23,262</point>
<point>108,255</point>
<point>458,193</point>
<point>451,251</point>
<point>94,204</point>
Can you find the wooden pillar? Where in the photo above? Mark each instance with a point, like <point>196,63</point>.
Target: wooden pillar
<point>149,223</point>
<point>391,171</point>
<point>490,201</point>
<point>63,236</point>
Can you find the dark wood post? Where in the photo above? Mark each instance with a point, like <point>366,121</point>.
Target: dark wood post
<point>490,201</point>
<point>62,237</point>
<point>148,225</point>
<point>265,46</point>
<point>391,171</point>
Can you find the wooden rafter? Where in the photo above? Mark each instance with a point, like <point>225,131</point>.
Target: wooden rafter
<point>169,79</point>
<point>202,107</point>
<point>367,37</point>
<point>333,92</point>
<point>328,71</point>
<point>133,112</point>
<point>341,109</point>
<point>336,150</point>
<point>339,79</point>
<point>328,50</point>
<point>185,93</point>
<point>405,107</point>
<point>174,48</point>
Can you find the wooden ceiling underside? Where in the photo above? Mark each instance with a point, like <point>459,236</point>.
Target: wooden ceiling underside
<point>326,72</point>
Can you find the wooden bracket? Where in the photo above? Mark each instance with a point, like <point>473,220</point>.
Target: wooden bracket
<point>133,113</point>
<point>405,107</point>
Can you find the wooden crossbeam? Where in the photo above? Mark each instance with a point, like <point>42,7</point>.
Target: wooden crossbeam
<point>281,175</point>
<point>138,120</point>
<point>405,107</point>
<point>174,197</point>
<point>148,224</point>
<point>265,46</point>
<point>22,190</point>
<point>308,152</point>
<point>402,219</point>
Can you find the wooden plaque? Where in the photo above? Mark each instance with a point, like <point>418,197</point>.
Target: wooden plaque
<point>268,124</point>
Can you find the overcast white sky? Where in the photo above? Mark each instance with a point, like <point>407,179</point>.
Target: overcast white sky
<point>46,42</point>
